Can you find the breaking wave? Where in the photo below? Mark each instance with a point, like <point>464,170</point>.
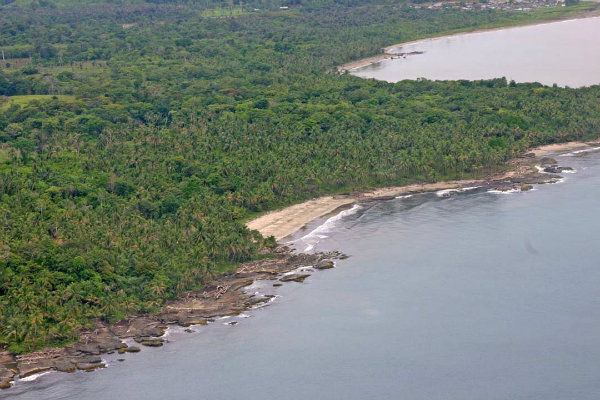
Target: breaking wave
<point>320,231</point>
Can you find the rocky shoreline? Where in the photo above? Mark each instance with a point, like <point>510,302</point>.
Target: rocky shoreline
<point>222,297</point>
<point>225,296</point>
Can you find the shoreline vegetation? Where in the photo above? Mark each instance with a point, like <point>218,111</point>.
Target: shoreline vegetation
<point>137,153</point>
<point>586,10</point>
<point>285,222</point>
<point>225,296</point>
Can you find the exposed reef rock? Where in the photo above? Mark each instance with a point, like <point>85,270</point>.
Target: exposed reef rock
<point>325,264</point>
<point>222,297</point>
<point>555,169</point>
<point>294,278</point>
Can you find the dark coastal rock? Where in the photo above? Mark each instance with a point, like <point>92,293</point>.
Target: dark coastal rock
<point>548,161</point>
<point>133,349</point>
<point>221,297</point>
<point>194,322</point>
<point>101,340</point>
<point>7,374</point>
<point>130,349</point>
<point>554,169</point>
<point>255,301</point>
<point>8,369</point>
<point>90,367</point>
<point>325,264</point>
<point>30,367</point>
<point>277,284</point>
<point>232,323</point>
<point>7,360</point>
<point>294,278</point>
<point>525,188</point>
<point>64,365</point>
<point>505,188</point>
<point>149,341</point>
<point>139,326</point>
<point>88,359</point>
<point>535,178</point>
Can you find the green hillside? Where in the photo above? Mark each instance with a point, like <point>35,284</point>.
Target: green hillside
<point>136,138</point>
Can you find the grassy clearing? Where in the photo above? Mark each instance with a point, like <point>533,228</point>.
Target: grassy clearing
<point>24,100</point>
<point>223,12</point>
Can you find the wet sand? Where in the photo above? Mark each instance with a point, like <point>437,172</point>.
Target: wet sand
<point>284,222</point>
<point>392,51</point>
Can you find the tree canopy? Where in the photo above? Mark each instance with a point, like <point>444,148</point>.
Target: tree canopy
<point>137,137</point>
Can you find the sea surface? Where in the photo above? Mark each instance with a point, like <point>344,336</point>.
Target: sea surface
<point>448,295</point>
<point>566,53</point>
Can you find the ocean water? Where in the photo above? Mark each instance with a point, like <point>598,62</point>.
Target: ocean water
<point>454,295</point>
<point>565,52</point>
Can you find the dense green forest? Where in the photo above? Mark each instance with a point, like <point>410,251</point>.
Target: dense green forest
<point>137,137</point>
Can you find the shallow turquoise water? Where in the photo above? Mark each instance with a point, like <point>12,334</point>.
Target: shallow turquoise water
<point>472,296</point>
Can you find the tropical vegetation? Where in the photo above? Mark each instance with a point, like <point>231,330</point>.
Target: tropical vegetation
<point>138,137</point>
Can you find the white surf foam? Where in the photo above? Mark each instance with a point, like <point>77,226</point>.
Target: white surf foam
<point>320,231</point>
<point>33,377</point>
<point>495,191</point>
<point>266,303</point>
<point>448,192</point>
<point>574,153</point>
<point>406,196</point>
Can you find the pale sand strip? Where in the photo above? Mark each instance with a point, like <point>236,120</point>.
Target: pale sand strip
<point>561,147</point>
<point>284,222</point>
<point>390,52</point>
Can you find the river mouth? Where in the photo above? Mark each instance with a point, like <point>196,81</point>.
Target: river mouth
<point>564,53</point>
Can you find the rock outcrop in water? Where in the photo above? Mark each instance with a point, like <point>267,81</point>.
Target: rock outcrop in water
<point>325,264</point>
<point>555,169</point>
<point>223,297</point>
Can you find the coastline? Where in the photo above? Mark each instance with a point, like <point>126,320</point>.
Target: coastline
<point>283,223</point>
<point>389,52</point>
<point>225,296</point>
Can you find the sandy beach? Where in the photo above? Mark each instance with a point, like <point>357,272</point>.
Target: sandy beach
<point>284,222</point>
<point>392,51</point>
